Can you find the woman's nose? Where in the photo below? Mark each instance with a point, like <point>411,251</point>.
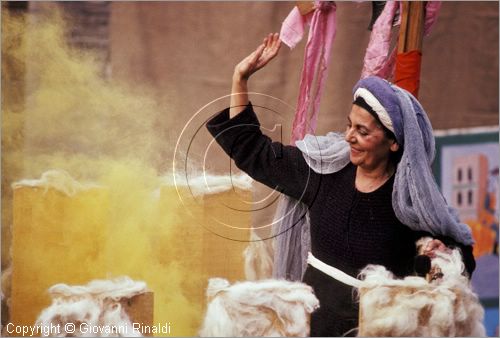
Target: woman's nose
<point>349,136</point>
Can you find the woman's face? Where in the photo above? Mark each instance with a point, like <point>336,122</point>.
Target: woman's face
<point>370,147</point>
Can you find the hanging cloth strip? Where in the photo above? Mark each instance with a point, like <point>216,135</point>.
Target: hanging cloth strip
<point>432,9</point>
<point>407,73</point>
<point>316,59</point>
<point>378,61</point>
<point>294,237</point>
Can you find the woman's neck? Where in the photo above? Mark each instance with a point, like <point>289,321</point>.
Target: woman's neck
<point>368,180</point>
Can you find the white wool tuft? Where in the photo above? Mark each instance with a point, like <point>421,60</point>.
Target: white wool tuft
<point>263,308</point>
<point>215,285</point>
<point>57,179</point>
<point>415,307</point>
<point>116,289</point>
<point>210,184</point>
<point>258,256</point>
<point>449,263</point>
<point>95,305</point>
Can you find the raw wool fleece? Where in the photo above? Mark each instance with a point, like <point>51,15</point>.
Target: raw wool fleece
<point>263,308</point>
<point>5,296</point>
<point>450,264</point>
<point>206,184</point>
<point>57,179</point>
<point>414,307</point>
<point>258,257</point>
<point>97,304</point>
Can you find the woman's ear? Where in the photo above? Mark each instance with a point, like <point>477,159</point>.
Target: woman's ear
<point>394,146</point>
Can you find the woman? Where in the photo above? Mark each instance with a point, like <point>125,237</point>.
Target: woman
<point>368,206</point>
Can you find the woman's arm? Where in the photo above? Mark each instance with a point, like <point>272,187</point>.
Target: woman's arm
<point>237,130</point>
<point>280,167</point>
<point>249,65</point>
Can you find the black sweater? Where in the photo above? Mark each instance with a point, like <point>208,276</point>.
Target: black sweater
<point>349,228</point>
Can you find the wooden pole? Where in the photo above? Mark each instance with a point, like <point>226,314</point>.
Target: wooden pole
<point>410,46</point>
<point>412,26</point>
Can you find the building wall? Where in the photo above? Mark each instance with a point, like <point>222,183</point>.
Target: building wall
<point>88,24</point>
<point>187,51</point>
<point>470,177</point>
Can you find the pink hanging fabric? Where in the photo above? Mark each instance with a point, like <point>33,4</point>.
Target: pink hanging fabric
<point>292,29</point>
<point>377,60</point>
<point>387,70</point>
<point>316,60</point>
<point>432,9</point>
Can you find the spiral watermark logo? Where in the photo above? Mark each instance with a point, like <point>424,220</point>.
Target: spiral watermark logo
<point>209,184</point>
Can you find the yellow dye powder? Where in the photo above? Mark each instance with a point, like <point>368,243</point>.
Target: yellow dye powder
<point>96,130</point>
<point>54,240</point>
<point>144,244</point>
<point>123,229</point>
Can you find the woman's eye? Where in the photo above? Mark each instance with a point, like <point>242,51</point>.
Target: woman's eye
<point>363,132</point>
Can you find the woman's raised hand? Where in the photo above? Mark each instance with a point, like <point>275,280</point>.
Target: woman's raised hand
<point>249,65</point>
<point>259,58</point>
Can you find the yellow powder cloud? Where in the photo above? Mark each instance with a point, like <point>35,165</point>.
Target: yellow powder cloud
<point>68,117</point>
